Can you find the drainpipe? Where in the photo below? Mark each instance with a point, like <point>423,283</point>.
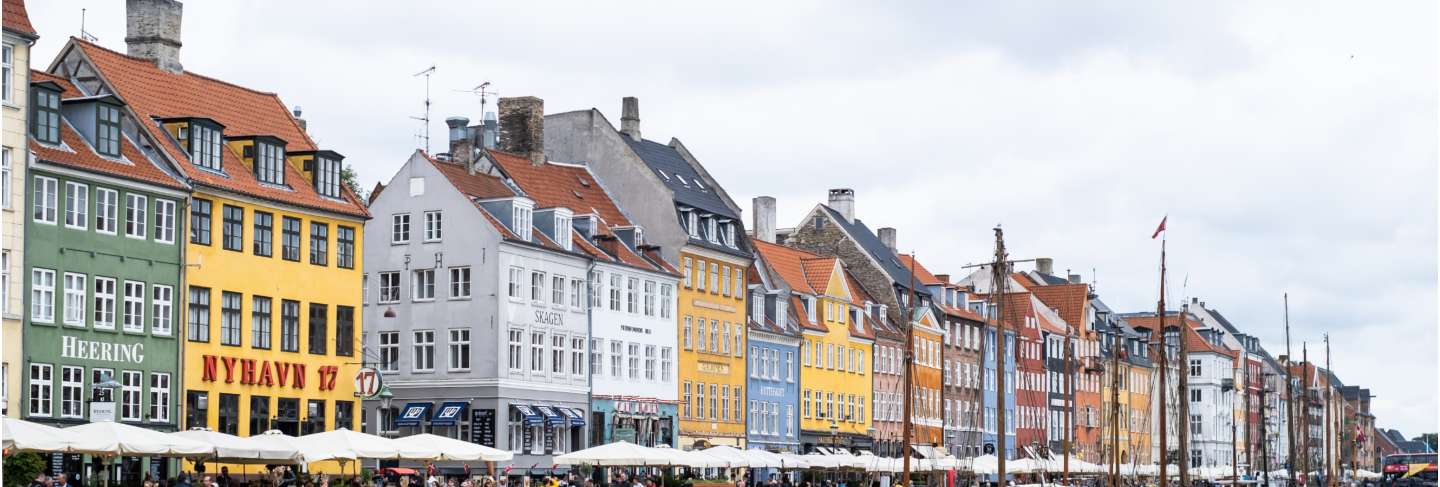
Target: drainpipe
<point>589,335</point>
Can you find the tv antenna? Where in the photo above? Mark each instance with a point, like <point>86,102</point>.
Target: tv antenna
<point>426,119</point>
<point>483,91</point>
<point>83,34</point>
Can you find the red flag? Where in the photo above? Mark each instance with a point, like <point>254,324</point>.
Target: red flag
<point>1161,228</point>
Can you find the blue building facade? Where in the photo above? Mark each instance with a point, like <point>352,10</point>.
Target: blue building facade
<point>773,378</point>
<point>988,438</point>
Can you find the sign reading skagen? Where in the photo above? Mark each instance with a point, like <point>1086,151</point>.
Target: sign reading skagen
<point>75,348</point>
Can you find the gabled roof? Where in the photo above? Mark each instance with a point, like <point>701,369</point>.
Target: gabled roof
<point>861,234</point>
<point>1068,300</point>
<point>922,275</point>
<point>571,186</point>
<point>858,297</point>
<point>76,152</point>
<point>152,94</point>
<point>1193,340</point>
<point>789,264</point>
<point>689,189</point>
<point>17,20</point>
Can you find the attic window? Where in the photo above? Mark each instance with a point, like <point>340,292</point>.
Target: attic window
<point>710,229</point>
<point>691,224</point>
<point>47,115</point>
<point>730,234</point>
<point>663,175</point>
<point>205,145</point>
<point>699,184</point>
<point>107,129</point>
<point>269,162</point>
<point>583,182</point>
<point>327,176</point>
<point>682,180</point>
<point>577,194</point>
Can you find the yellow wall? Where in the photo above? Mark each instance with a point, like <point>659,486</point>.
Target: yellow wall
<point>13,234</point>
<point>832,312</point>
<point>723,367</point>
<point>1140,407</point>
<point>213,267</point>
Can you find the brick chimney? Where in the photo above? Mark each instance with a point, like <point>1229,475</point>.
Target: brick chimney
<point>630,117</point>
<point>843,200</point>
<point>764,215</point>
<point>887,237</point>
<point>522,127</point>
<point>152,31</point>
<point>462,146</point>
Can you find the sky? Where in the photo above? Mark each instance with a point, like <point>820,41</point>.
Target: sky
<point>1293,146</point>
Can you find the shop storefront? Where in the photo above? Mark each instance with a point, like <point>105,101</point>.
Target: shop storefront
<point>648,423</point>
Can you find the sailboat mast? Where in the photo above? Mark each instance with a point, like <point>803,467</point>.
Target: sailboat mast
<point>1070,399</point>
<point>1184,372</point>
<point>1001,274</point>
<point>1305,411</point>
<point>1159,342</point>
<point>1329,413</point>
<point>1289,397</point>
<point>1115,407</point>
<point>906,428</point>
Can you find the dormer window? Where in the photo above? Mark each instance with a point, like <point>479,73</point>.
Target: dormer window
<point>327,176</point>
<point>47,116</point>
<point>562,231</point>
<point>691,224</point>
<point>729,234</point>
<point>107,129</point>
<point>205,144</point>
<point>710,229</point>
<point>270,162</point>
<point>520,220</point>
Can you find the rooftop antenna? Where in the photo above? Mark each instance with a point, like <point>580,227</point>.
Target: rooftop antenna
<point>483,91</point>
<point>426,119</point>
<point>83,34</point>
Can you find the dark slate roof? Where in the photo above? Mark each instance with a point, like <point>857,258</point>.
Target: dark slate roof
<point>1050,280</point>
<point>689,189</point>
<point>1224,322</point>
<point>889,262</point>
<point>671,167</point>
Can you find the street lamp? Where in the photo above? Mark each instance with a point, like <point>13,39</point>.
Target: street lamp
<point>386,398</point>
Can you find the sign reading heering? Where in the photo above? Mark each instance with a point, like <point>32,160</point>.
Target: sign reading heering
<point>77,349</point>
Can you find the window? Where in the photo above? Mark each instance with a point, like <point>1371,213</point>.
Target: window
<point>45,200</point>
<point>133,319</point>
<point>400,228</point>
<point>130,397</point>
<point>197,411</point>
<point>422,285</point>
<point>230,318</point>
<point>537,286</point>
<point>666,296</point>
<point>1195,368</point>
<point>389,287</point>
<point>289,326</point>
<point>423,350</point>
<point>290,239</point>
<point>77,205</point>
<point>650,362</point>
<point>514,286</point>
<point>460,282</point>
<point>725,339</point>
<point>269,163</point>
<point>319,243</point>
<point>577,287</point>
<point>632,355</point>
<point>327,176</point>
<point>198,321</point>
<point>537,352</point>
<point>725,280</point>
<point>107,129</point>
<point>7,70</point>
<point>714,278</point>
<point>699,274</point>
<point>520,221</point>
<point>714,336</point>
<point>577,356</point>
<point>345,247</point>
<point>597,356</point>
<point>686,401</point>
<point>434,226</point>
<point>344,414</point>
<point>617,358</point>
<point>6,154</point>
<point>264,233</point>
<point>685,336</point>
<point>72,395</point>
<point>74,299</point>
<point>649,298</point>
<point>47,115</point>
<point>232,228</point>
<point>259,414</point>
<point>318,328</point>
<point>666,363</point>
<point>517,352</point>
<point>199,220</point>
<point>459,349</point>
<point>41,382</point>
<point>595,280</point>
<point>739,339</point>
<point>557,354</point>
<point>389,351</point>
<point>1195,395</point>
<point>344,331</point>
<point>685,272</point>
<point>159,397</point>
<point>104,303</point>
<point>632,295</point>
<point>260,322</point>
<point>205,145</point>
<point>615,292</point>
<point>700,401</point>
<point>557,290</point>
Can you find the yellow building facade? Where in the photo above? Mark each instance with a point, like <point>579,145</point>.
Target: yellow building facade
<point>19,35</point>
<point>1140,416</point>
<point>835,382</point>
<point>927,373</point>
<point>711,365</point>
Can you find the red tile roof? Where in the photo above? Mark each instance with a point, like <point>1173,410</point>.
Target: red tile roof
<point>858,297</point>
<point>16,18</point>
<point>789,265</point>
<point>153,94</point>
<point>1193,340</point>
<point>921,273</point>
<point>478,185</point>
<point>818,271</point>
<point>1069,300</point>
<point>76,152</point>
<point>803,317</point>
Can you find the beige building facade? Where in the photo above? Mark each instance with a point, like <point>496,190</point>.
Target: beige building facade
<point>19,35</point>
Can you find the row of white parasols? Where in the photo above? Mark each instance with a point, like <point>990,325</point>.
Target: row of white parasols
<point>109,438</point>
<point>628,454</point>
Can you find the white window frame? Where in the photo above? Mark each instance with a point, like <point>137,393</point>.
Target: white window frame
<point>460,282</point>
<point>72,392</point>
<point>132,401</point>
<point>45,207</point>
<point>104,303</point>
<point>159,397</point>
<point>133,310</point>
<point>137,207</point>
<point>107,211</point>
<point>389,347</point>
<point>41,383</point>
<point>76,297</point>
<point>459,359</point>
<point>422,285</point>
<point>77,205</point>
<point>164,222</point>
<point>434,226</point>
<point>399,228</point>
<point>393,287</point>
<point>422,358</point>
<point>42,295</point>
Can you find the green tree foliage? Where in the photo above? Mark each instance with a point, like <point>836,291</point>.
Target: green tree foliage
<point>21,468</point>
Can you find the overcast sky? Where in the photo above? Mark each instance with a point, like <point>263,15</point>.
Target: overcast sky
<point>1292,145</point>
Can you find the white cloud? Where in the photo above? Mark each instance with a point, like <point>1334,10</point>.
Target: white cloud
<point>1293,145</point>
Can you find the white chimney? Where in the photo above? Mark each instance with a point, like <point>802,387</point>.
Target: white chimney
<point>764,215</point>
<point>842,200</point>
<point>630,117</point>
<point>887,237</point>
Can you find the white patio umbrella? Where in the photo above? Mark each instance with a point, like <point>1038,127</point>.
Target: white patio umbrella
<point>305,451</point>
<point>21,435</point>
<point>986,465</point>
<point>453,449</point>
<point>764,459</point>
<point>1024,465</point>
<point>620,453</point>
<point>365,445</point>
<point>735,456</point>
<point>791,460</point>
<point>111,438</point>
<point>697,459</point>
<point>234,449</point>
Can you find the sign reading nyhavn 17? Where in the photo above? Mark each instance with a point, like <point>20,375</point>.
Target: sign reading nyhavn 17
<point>267,373</point>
